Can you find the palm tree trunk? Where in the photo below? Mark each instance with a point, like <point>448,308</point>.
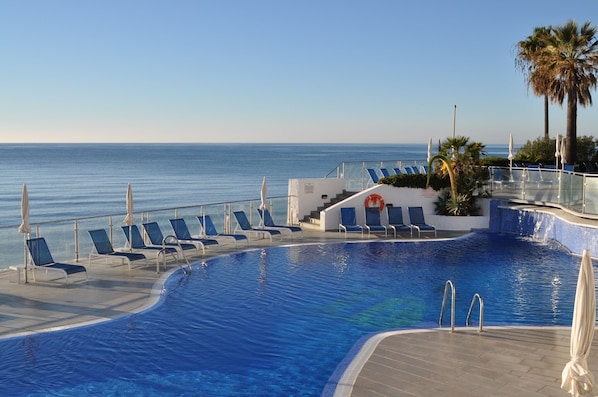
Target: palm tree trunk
<point>546,129</point>
<point>571,150</point>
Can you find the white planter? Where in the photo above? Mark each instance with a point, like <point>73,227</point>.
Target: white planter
<point>459,223</point>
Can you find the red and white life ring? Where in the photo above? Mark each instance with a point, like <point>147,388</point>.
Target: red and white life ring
<point>374,200</point>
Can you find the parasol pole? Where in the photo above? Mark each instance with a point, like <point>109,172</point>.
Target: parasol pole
<point>454,121</point>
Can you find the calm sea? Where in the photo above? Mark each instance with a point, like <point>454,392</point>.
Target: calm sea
<point>77,180</point>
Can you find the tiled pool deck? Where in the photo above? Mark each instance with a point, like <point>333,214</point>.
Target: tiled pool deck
<point>505,361</point>
<point>498,362</point>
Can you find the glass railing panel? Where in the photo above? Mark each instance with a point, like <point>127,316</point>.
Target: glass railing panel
<point>576,193</point>
<point>112,226</point>
<point>591,194</point>
<point>356,173</point>
<point>540,185</point>
<point>12,247</point>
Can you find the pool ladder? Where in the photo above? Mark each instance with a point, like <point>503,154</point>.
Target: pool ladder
<point>173,239</point>
<point>476,297</point>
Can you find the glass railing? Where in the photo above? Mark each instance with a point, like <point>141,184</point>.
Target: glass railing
<point>69,240</point>
<point>577,192</point>
<point>357,173</point>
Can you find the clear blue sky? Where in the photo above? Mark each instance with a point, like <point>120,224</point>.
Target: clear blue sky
<point>274,70</point>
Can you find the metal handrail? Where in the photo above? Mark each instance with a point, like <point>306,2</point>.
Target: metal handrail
<point>453,293</point>
<point>473,300</point>
<point>180,251</point>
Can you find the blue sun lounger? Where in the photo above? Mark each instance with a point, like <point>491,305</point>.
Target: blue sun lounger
<point>244,227</point>
<point>103,248</point>
<point>395,220</point>
<point>372,221</point>
<point>42,260</point>
<point>269,224</point>
<point>373,175</point>
<point>154,233</point>
<point>209,231</point>
<point>157,238</point>
<point>416,217</point>
<point>181,231</point>
<point>138,244</point>
<point>348,221</point>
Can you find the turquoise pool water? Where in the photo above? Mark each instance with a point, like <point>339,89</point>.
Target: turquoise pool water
<point>278,321</point>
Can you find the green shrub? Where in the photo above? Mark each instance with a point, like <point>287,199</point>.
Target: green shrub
<point>494,161</point>
<point>416,181</point>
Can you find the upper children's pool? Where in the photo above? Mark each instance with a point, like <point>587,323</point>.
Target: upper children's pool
<point>278,321</point>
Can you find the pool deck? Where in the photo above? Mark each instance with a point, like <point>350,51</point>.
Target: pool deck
<point>505,361</point>
<point>501,361</point>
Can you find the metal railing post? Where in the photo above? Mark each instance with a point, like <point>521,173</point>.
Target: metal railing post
<point>76,240</point>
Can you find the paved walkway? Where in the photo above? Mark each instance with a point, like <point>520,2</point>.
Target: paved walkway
<point>504,361</point>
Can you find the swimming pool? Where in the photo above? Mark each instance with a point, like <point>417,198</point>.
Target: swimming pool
<point>277,321</point>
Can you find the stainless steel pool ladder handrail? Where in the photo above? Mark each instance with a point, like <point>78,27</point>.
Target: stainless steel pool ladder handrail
<point>453,292</point>
<point>181,251</point>
<point>477,297</point>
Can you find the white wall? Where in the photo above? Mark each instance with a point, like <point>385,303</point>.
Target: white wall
<point>306,195</point>
<point>404,197</point>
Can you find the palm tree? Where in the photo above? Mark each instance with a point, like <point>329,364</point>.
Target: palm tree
<point>568,58</point>
<point>459,159</point>
<point>527,52</point>
<point>572,55</point>
<point>460,149</point>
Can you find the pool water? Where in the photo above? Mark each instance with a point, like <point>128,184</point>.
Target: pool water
<point>278,321</point>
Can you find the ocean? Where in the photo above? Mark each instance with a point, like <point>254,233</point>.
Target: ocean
<point>68,181</point>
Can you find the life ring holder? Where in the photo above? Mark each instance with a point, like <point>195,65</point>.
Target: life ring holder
<point>374,200</point>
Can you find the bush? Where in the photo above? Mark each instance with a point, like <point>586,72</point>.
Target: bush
<point>416,181</point>
<point>541,150</point>
<point>464,205</point>
<point>494,161</point>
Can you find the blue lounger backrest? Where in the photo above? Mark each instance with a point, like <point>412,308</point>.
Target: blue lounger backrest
<point>154,232</point>
<point>181,231</point>
<point>348,216</point>
<point>40,253</point>
<point>207,225</point>
<point>416,215</point>
<point>373,175</point>
<point>137,241</point>
<point>395,215</point>
<point>372,216</point>
<point>101,241</point>
<point>265,214</point>
<point>242,219</point>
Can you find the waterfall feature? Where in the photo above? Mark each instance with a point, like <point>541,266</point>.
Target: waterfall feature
<point>543,226</point>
